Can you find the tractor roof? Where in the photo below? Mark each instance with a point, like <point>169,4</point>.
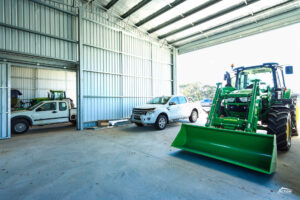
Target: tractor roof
<point>264,65</point>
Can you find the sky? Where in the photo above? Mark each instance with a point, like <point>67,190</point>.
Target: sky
<point>209,65</point>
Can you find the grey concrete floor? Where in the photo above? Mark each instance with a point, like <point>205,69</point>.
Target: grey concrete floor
<point>130,163</point>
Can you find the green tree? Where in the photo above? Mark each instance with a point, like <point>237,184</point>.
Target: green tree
<point>197,91</point>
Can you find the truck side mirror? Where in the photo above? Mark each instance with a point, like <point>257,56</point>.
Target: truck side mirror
<point>172,103</point>
<point>289,70</point>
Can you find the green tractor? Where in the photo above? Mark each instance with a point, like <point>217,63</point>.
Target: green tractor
<point>251,117</point>
<point>53,95</point>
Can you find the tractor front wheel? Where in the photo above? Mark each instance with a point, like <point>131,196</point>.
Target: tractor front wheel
<point>280,124</point>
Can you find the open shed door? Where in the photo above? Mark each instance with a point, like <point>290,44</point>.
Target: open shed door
<point>4,100</point>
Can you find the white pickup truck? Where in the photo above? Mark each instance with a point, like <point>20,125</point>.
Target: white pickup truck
<point>161,110</point>
<point>43,113</point>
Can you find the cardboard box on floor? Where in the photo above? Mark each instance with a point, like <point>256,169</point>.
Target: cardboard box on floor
<point>102,123</point>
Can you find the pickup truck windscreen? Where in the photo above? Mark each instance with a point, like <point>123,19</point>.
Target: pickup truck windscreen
<point>159,100</point>
<point>34,106</point>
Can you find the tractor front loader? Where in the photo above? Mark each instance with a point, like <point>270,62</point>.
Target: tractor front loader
<point>258,100</point>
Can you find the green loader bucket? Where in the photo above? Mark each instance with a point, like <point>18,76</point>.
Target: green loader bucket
<point>251,150</point>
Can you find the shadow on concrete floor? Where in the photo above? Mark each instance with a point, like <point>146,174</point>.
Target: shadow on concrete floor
<point>46,129</point>
<point>135,129</point>
<point>224,167</point>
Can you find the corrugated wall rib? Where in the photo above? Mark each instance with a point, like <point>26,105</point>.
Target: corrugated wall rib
<point>30,28</point>
<point>120,70</point>
<point>34,82</point>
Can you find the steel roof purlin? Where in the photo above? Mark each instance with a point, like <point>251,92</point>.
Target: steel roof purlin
<point>135,8</point>
<point>160,11</point>
<point>223,25</point>
<point>269,22</point>
<point>209,17</point>
<point>111,4</point>
<point>184,15</point>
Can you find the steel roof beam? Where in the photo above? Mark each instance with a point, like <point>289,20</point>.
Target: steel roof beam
<point>282,20</point>
<point>135,8</point>
<point>160,11</point>
<point>184,15</point>
<point>222,25</point>
<point>209,17</point>
<point>111,4</point>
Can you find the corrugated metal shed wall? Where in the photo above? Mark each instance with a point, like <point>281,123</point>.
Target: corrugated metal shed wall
<point>120,70</point>
<point>122,67</point>
<point>35,82</point>
<point>34,29</point>
<point>4,101</point>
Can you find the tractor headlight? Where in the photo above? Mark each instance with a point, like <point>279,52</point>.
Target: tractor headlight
<point>243,99</point>
<point>230,100</point>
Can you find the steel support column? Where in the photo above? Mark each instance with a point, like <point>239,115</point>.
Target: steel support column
<point>174,71</point>
<point>79,74</point>
<point>122,73</point>
<point>5,86</point>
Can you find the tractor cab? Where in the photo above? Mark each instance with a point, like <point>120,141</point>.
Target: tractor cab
<point>57,95</point>
<point>270,76</point>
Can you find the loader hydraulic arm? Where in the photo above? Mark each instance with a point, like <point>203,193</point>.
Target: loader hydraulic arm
<point>252,117</point>
<point>215,105</point>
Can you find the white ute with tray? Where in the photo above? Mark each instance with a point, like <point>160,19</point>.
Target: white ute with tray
<point>43,113</point>
<point>162,110</point>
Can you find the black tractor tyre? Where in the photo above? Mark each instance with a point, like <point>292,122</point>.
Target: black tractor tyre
<point>161,122</point>
<point>139,124</point>
<point>295,113</point>
<point>19,126</point>
<point>280,124</point>
<point>194,116</point>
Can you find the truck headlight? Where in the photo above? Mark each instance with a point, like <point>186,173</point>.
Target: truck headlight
<point>230,100</point>
<point>243,99</point>
<point>150,112</point>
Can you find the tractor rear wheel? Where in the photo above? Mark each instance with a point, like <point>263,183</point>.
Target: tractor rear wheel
<point>280,124</point>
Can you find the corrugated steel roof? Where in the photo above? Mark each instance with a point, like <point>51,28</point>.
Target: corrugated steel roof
<point>181,23</point>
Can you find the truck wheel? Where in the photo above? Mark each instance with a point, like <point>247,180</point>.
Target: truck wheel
<point>20,126</point>
<point>295,118</point>
<point>139,124</point>
<point>194,116</point>
<point>280,124</point>
<point>161,122</point>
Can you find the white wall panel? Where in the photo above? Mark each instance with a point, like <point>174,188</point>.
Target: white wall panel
<point>120,70</point>
<point>30,28</point>
<point>36,82</point>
